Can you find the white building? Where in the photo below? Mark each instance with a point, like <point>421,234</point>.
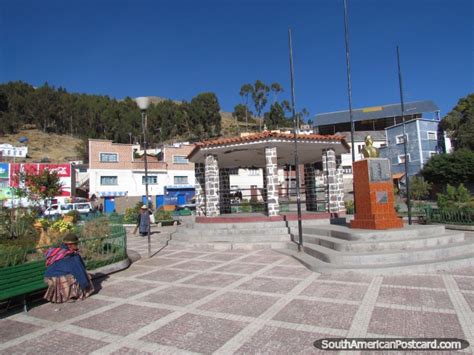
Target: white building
<point>8,150</point>
<point>117,174</point>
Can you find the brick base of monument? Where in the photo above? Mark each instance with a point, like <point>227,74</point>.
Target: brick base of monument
<point>373,199</point>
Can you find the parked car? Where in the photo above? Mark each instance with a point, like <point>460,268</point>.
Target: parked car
<point>56,209</point>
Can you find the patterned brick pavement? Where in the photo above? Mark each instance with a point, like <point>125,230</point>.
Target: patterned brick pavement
<point>240,302</point>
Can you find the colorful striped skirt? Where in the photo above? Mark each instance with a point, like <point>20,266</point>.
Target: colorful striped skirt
<point>66,289</point>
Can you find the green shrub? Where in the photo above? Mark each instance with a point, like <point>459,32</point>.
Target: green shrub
<point>162,215</point>
<point>131,214</point>
<point>349,205</point>
<point>245,207</point>
<point>76,216</point>
<point>454,197</point>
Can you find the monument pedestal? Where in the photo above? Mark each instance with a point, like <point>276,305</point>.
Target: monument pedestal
<point>373,194</point>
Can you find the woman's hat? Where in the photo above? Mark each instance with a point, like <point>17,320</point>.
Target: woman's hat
<point>70,239</point>
<point>144,207</point>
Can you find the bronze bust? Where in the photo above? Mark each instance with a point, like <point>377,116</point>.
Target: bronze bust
<point>369,151</point>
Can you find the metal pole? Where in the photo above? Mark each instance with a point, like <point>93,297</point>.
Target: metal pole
<point>295,127</point>
<point>402,106</point>
<point>144,128</point>
<point>349,91</point>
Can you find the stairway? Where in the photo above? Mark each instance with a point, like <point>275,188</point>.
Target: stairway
<point>333,248</point>
<point>225,236</point>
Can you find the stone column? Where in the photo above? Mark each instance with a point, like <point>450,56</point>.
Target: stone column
<point>212,186</point>
<point>271,181</point>
<point>310,187</point>
<point>340,189</point>
<point>199,172</point>
<point>224,192</point>
<point>333,182</point>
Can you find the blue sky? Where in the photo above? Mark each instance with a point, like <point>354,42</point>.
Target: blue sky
<point>177,49</point>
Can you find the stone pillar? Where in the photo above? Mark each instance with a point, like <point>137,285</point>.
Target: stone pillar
<point>199,172</point>
<point>340,188</point>
<point>310,187</point>
<point>333,182</point>
<point>271,181</point>
<point>224,192</point>
<point>212,186</point>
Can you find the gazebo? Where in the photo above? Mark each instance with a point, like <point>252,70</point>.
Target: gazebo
<point>270,151</point>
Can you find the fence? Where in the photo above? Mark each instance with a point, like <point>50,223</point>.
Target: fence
<point>255,199</point>
<point>96,251</point>
<point>464,216</point>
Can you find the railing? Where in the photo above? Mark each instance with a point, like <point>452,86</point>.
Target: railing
<point>254,200</point>
<point>96,251</point>
<point>463,216</point>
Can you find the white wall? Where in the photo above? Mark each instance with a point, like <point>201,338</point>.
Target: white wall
<point>131,181</point>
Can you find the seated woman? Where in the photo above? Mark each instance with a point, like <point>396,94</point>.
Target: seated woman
<point>66,273</point>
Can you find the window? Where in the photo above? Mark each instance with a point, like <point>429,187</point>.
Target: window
<point>180,159</point>
<point>399,139</point>
<point>180,180</point>
<point>347,169</point>
<point>152,180</point>
<point>254,172</point>
<point>109,157</point>
<point>234,171</point>
<point>432,136</point>
<point>108,180</point>
<point>401,158</point>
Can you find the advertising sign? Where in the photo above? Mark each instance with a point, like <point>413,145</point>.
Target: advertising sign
<point>4,171</point>
<point>63,171</point>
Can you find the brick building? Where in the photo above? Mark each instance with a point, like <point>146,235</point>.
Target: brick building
<point>117,174</point>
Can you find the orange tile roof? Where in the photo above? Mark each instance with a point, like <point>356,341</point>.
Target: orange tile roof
<point>264,136</point>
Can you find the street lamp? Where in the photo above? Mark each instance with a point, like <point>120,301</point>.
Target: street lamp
<point>143,103</point>
<point>402,106</point>
<point>295,138</point>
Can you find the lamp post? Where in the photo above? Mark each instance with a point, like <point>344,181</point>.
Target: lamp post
<point>402,106</point>
<point>143,103</point>
<point>295,137</point>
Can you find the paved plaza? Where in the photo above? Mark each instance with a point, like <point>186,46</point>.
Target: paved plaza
<point>260,301</point>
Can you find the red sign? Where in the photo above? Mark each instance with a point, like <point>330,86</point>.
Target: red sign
<point>63,170</point>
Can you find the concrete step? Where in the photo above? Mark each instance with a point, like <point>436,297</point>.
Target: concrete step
<point>442,264</point>
<point>212,246</point>
<point>429,254</point>
<point>236,238</point>
<point>346,233</point>
<point>400,243</point>
<point>233,232</point>
<point>238,226</point>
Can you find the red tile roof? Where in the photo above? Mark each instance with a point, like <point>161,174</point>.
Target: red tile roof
<point>262,136</point>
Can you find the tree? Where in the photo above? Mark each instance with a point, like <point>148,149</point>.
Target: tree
<point>454,168</point>
<point>276,88</point>
<point>260,98</point>
<point>246,91</point>
<point>204,113</point>
<point>241,114</point>
<point>275,118</point>
<point>459,124</point>
<point>419,188</point>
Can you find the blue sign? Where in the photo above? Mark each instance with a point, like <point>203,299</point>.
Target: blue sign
<point>4,171</point>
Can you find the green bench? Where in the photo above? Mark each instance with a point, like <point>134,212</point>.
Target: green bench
<point>20,280</point>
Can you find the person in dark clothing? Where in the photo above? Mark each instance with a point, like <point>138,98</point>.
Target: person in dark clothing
<point>66,273</point>
<point>143,221</point>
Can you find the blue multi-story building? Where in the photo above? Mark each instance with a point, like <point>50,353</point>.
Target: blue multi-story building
<point>385,125</point>
<point>424,139</point>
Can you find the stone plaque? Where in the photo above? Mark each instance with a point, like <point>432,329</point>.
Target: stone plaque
<point>381,196</point>
<point>379,170</point>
